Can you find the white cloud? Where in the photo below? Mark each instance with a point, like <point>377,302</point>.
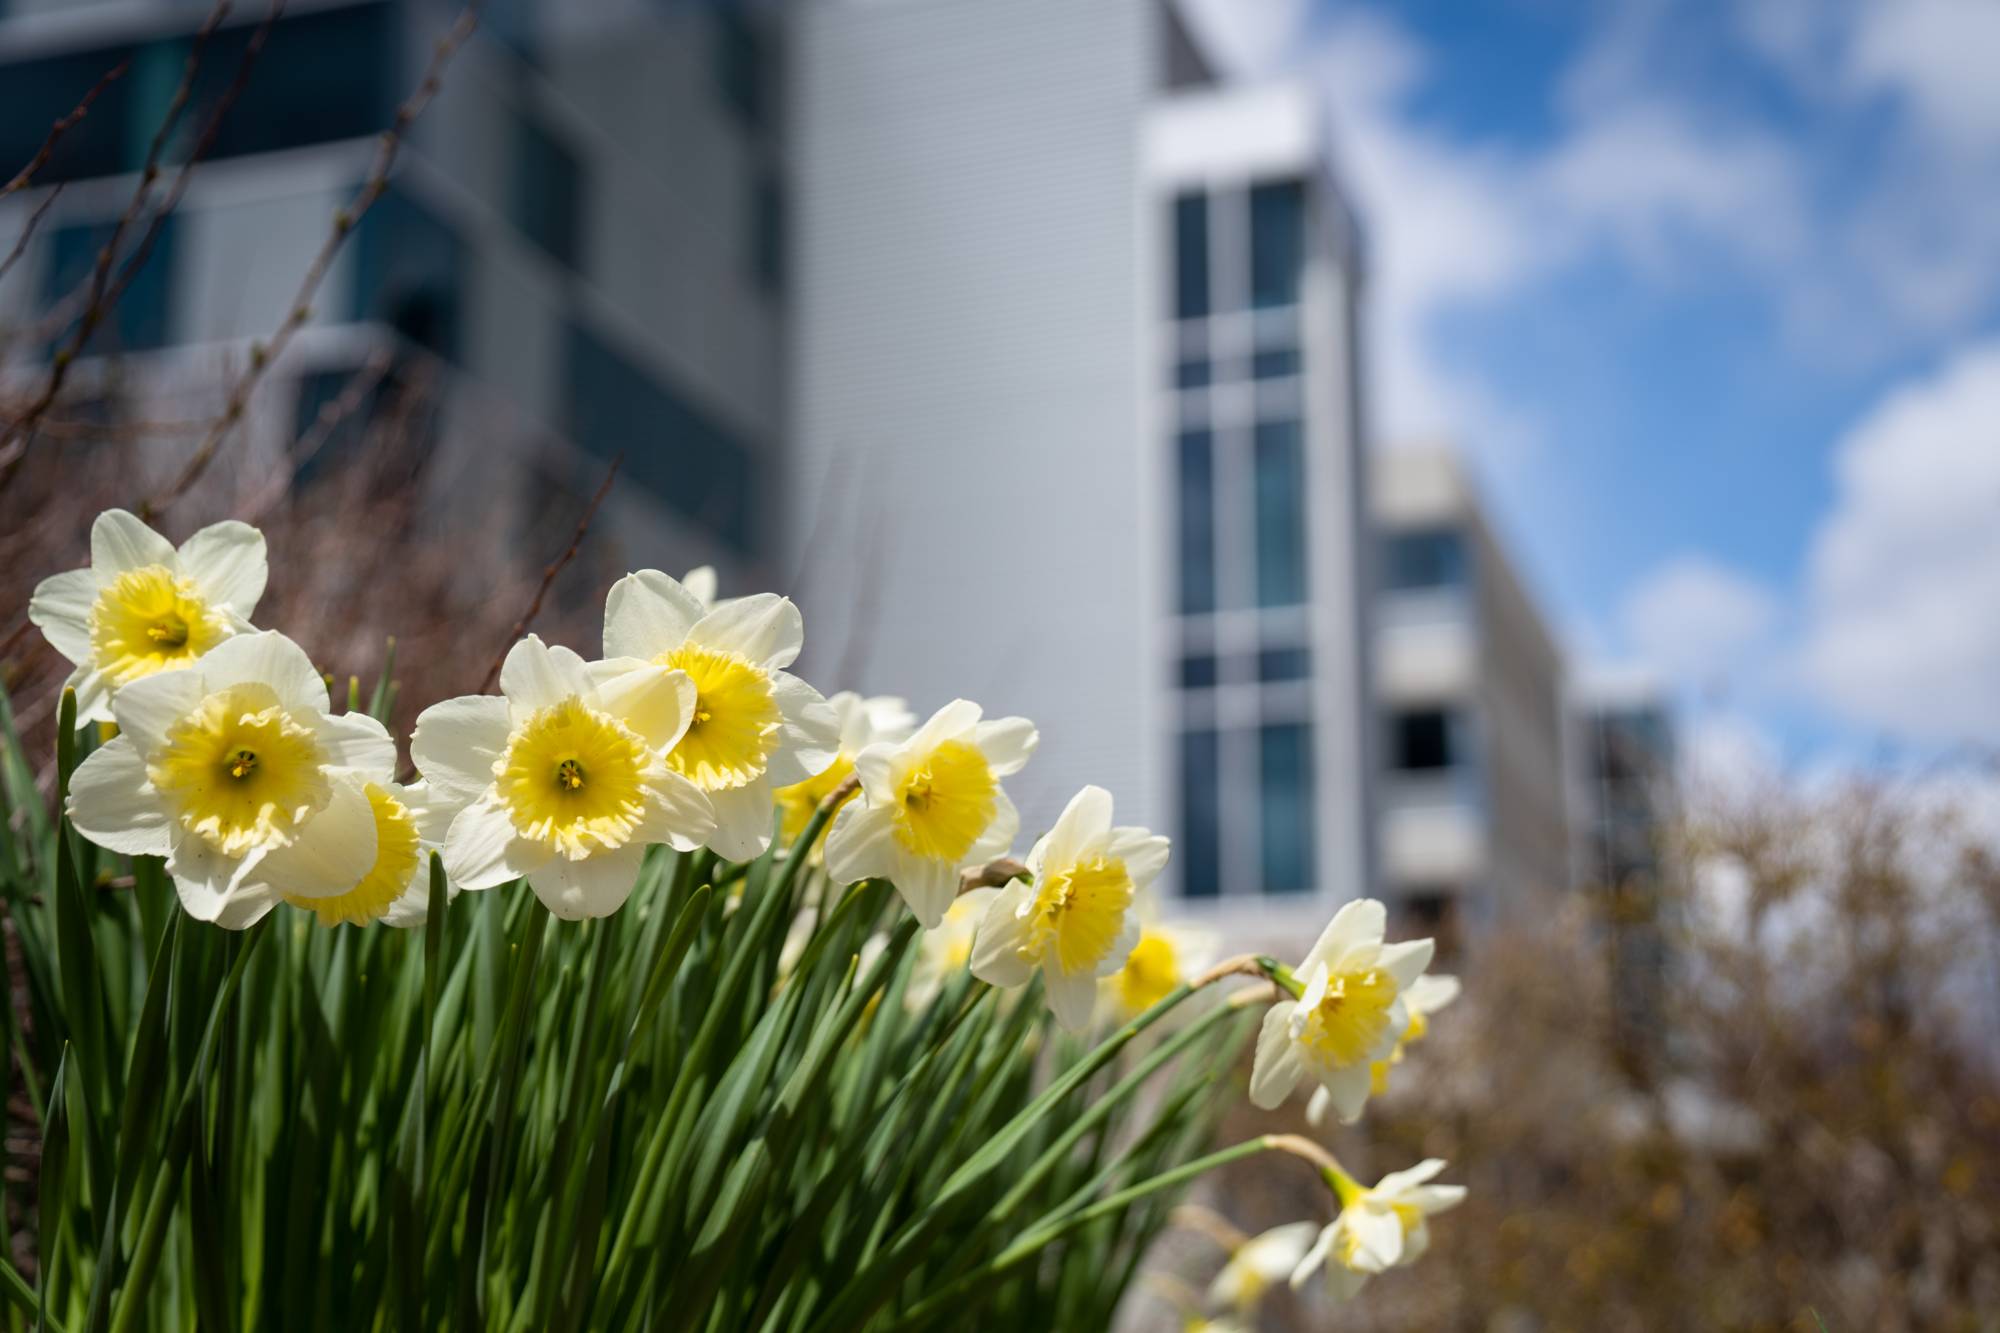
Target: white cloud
<point>1937,56</point>
<point>1699,622</point>
<point>1903,595</point>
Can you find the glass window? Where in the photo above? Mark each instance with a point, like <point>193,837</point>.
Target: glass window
<point>1197,522</point>
<point>1198,672</point>
<point>1200,849</point>
<point>1190,256</point>
<point>673,449</point>
<point>36,93</point>
<point>1285,764</point>
<point>408,272</point>
<point>1427,558</point>
<point>323,76</point>
<point>1284,664</point>
<point>1276,364</point>
<point>1192,374</point>
<point>1281,514</point>
<point>1277,243</point>
<point>1421,740</point>
<point>546,200</point>
<point>140,320</point>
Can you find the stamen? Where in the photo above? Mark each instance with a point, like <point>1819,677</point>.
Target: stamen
<point>169,633</point>
<point>241,763</point>
<point>569,775</point>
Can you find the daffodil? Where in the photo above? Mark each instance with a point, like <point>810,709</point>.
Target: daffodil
<point>1351,1013</point>
<point>862,723</point>
<point>1071,917</point>
<point>1378,1229</point>
<point>702,585</point>
<point>1259,1264</point>
<point>1426,995</point>
<point>753,727</point>
<point>236,771</point>
<point>1166,954</point>
<point>564,780</point>
<point>396,888</point>
<point>931,805</point>
<point>946,951</point>
<point>143,607</point>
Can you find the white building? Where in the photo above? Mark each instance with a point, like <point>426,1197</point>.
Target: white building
<point>1075,429</point>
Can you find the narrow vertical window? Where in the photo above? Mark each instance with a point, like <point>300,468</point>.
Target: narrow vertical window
<point>1197,522</point>
<point>1281,514</point>
<point>1285,805</point>
<point>1190,256</point>
<point>1277,243</point>
<point>1200,850</point>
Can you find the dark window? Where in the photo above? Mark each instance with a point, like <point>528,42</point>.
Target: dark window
<point>323,76</point>
<point>141,319</point>
<point>1284,664</point>
<point>675,451</point>
<point>1421,740</point>
<point>1281,514</point>
<point>1194,373</point>
<point>34,94</point>
<point>1277,243</point>
<point>768,233</point>
<point>1275,364</point>
<point>1198,672</point>
<point>546,199</point>
<point>1190,256</point>
<point>1201,814</point>
<point>409,270</point>
<point>318,390</point>
<point>1197,520</point>
<point>1285,761</point>
<point>1433,914</point>
<point>1428,558</point>
<point>740,61</point>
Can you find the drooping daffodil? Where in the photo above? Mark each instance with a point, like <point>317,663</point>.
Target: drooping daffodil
<point>1166,954</point>
<point>144,606</point>
<point>931,805</point>
<point>753,727</point>
<point>1071,916</point>
<point>1260,1263</point>
<point>236,771</point>
<point>1378,1229</point>
<point>946,950</point>
<point>1350,1013</point>
<point>862,723</point>
<point>563,778</point>
<point>1426,995</point>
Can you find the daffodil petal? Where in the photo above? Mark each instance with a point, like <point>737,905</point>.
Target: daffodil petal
<point>595,886</point>
<point>457,742</point>
<point>149,707</point>
<point>334,849</point>
<point>1277,1067</point>
<point>358,741</point>
<point>996,947</point>
<point>266,658</point>
<point>1007,743</point>
<point>60,609</point>
<point>482,849</point>
<point>861,844</point>
<point>647,614</point>
<point>119,541</point>
<point>764,628</point>
<point>743,821</point>
<point>228,564</point>
<point>112,803</point>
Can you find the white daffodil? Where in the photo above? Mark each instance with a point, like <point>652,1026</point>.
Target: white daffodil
<point>1166,954</point>
<point>1378,1229</point>
<point>1072,917</point>
<point>931,805</point>
<point>396,889</point>
<point>232,769</point>
<point>564,780</point>
<point>862,723</point>
<point>753,726</point>
<point>143,607</point>
<point>946,951</point>
<point>1351,1014</point>
<point>1426,995</point>
<point>1259,1264</point>
<point>702,584</point>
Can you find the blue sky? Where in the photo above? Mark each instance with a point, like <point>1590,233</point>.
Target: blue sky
<point>1710,293</point>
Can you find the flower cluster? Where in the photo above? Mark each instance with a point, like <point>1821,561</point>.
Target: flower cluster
<point>230,763</point>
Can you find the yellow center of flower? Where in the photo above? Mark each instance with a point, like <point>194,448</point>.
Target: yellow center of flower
<point>1348,1022</point>
<point>1151,970</point>
<point>1077,914</point>
<point>396,857</point>
<point>1378,1073</point>
<point>797,802</point>
<point>572,779</point>
<point>945,802</point>
<point>736,719</point>
<point>148,620</point>
<point>242,772</point>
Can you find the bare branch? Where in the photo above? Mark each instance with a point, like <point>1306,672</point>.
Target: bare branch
<point>26,175</point>
<point>556,567</point>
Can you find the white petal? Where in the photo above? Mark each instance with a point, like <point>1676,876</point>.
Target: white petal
<point>359,742</point>
<point>1007,742</point>
<point>457,742</point>
<point>113,803</point>
<point>431,808</point>
<point>1071,998</point>
<point>861,844</point>
<point>764,628</point>
<point>149,707</point>
<point>1317,1108</point>
<point>536,676</point>
<point>595,886</point>
<point>996,957</point>
<point>334,848</point>
<point>877,767</point>
<point>60,609</point>
<point>119,541</point>
<point>654,701</point>
<point>1432,992</point>
<point>481,849</point>
<point>1396,1182</point>
<point>952,722</point>
<point>1121,945</point>
<point>809,740</point>
<point>1436,1198</point>
<point>998,839</point>
<point>93,695</point>
<point>887,718</point>
<point>1276,1069</point>
<point>1378,1237</point>
<point>927,886</point>
<point>1084,823</point>
<point>1343,1284</point>
<point>227,563</point>
<point>648,614</point>
<point>1349,1089</point>
<point>1358,921</point>
<point>1316,1257</point>
<point>1406,961</point>
<point>702,584</point>
<point>211,888</point>
<point>1143,852</point>
<point>412,907</point>
<point>269,658</point>
<point>743,822</point>
<point>678,813</point>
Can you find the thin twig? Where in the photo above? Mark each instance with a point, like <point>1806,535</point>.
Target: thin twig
<point>262,355</point>
<point>26,175</point>
<point>556,567</point>
<point>28,232</point>
<point>331,414</point>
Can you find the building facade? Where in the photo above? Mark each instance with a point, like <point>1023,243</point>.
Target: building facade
<point>1469,681</point>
